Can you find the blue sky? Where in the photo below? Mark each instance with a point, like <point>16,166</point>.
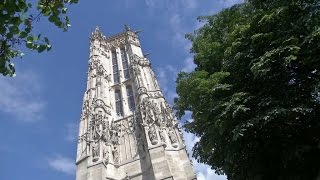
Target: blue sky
<point>40,107</point>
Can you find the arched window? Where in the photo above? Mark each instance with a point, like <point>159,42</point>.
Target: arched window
<point>118,101</point>
<point>125,65</point>
<point>115,68</point>
<point>130,98</point>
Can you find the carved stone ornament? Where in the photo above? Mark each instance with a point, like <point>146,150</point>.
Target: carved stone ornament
<point>97,35</point>
<point>142,90</point>
<point>94,63</point>
<point>150,112</point>
<point>105,155</point>
<point>85,110</point>
<point>136,70</point>
<point>115,154</point>
<point>162,135</point>
<point>173,138</point>
<point>99,103</point>
<point>155,94</point>
<point>84,139</point>
<point>153,135</point>
<point>114,133</point>
<point>100,71</point>
<point>133,39</point>
<point>136,60</point>
<point>117,42</point>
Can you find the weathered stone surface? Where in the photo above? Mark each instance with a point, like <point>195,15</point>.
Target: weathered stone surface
<point>127,129</point>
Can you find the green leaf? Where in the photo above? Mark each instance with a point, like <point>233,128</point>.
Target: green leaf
<point>17,20</point>
<point>30,38</point>
<point>9,35</point>
<point>29,45</point>
<point>41,48</point>
<point>49,47</point>
<point>14,30</point>
<point>23,34</point>
<point>64,10</point>
<point>2,30</point>
<point>46,40</point>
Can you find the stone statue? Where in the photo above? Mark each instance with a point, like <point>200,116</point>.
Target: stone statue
<point>153,135</point>
<point>172,136</point>
<point>95,151</point>
<point>115,153</point>
<point>105,155</point>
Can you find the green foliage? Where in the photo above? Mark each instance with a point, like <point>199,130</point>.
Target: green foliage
<point>16,27</point>
<point>255,91</point>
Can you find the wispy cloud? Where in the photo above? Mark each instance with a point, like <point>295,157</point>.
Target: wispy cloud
<point>20,96</point>
<point>71,132</point>
<point>172,5</point>
<point>165,76</point>
<point>179,32</point>
<point>62,164</point>
<point>190,3</point>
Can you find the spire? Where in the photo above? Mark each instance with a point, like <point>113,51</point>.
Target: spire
<point>96,34</point>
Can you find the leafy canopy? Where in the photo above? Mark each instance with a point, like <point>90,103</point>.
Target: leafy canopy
<point>16,23</point>
<point>255,91</point>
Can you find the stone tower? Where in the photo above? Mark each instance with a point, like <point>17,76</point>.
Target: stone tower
<point>127,129</point>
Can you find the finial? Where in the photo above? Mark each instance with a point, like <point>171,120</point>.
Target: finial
<point>127,28</point>
<point>97,29</point>
<point>96,34</point>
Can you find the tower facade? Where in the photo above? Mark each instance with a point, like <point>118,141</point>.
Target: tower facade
<point>127,129</point>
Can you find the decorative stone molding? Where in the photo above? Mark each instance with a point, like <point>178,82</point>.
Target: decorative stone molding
<point>136,60</point>
<point>99,103</point>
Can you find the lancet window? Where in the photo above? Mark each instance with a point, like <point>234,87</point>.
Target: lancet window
<point>125,63</point>
<point>116,78</point>
<point>118,101</point>
<point>130,98</point>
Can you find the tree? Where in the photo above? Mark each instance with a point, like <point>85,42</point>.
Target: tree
<point>17,18</point>
<point>255,91</point>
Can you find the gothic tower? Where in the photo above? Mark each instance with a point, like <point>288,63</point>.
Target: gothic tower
<point>127,129</point>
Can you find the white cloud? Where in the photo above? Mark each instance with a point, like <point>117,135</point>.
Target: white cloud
<point>71,132</point>
<point>20,96</point>
<point>188,65</point>
<point>62,164</point>
<point>165,76</point>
